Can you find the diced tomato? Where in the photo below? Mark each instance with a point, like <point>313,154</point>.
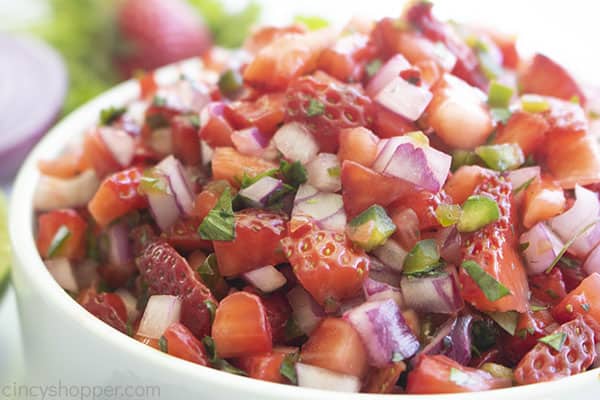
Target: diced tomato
<point>583,301</point>
<point>186,142</point>
<point>548,288</point>
<point>183,344</point>
<point>462,183</point>
<point>531,326</point>
<point>546,77</point>
<point>528,130</point>
<point>184,236</point>
<point>231,166</point>
<point>215,129</point>
<point>383,190</point>
<point>97,154</point>
<point>439,374</point>
<point>335,345</point>
<point>388,124</point>
<point>73,242</point>
<point>265,366</point>
<point>383,380</point>
<point>285,58</point>
<point>544,199</point>
<point>205,201</point>
<point>117,195</point>
<point>241,327</point>
<point>66,166</point>
<point>257,242</point>
<point>544,363</point>
<point>358,145</point>
<point>266,113</point>
<point>341,60</point>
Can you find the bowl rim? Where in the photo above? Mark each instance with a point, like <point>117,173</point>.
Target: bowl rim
<point>30,264</point>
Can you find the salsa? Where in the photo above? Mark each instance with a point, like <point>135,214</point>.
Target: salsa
<point>405,206</point>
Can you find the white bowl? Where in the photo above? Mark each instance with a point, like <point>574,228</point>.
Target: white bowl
<point>72,350</point>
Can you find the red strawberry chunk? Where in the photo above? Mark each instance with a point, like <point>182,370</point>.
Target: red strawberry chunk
<point>107,307</point>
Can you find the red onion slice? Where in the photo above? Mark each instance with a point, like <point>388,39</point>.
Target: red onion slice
<point>163,207</point>
<point>305,192</point>
<point>62,272</point>
<point>295,142</point>
<point>161,311</point>
<point>449,242</point>
<point>542,247</point>
<point>267,279</point>
<point>378,291</point>
<point>52,193</point>
<point>390,70</point>
<point>452,339</point>
<point>382,273</point>
<point>391,254</point>
<point>384,332</point>
<point>324,379</point>
<point>307,312</point>
<point>436,294</point>
<point>573,223</point>
<point>120,144</point>
<point>404,98</point>
<point>258,194</point>
<point>249,141</point>
<point>324,172</point>
<point>178,183</point>
<point>119,248</point>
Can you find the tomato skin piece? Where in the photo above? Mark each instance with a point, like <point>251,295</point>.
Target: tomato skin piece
<point>241,327</point>
<point>186,142</point>
<point>585,296</point>
<point>544,199</point>
<point>266,113</point>
<point>335,345</point>
<point>50,222</point>
<point>265,366</point>
<point>358,145</point>
<point>181,343</point>
<point>543,363</point>
<point>528,130</point>
<point>117,196</point>
<point>432,375</point>
<point>229,165</point>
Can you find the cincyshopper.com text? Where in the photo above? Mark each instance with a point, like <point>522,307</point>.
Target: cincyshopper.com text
<point>62,391</point>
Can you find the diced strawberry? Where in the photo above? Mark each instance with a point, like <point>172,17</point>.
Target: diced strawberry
<point>264,35</point>
<point>531,326</point>
<point>583,301</point>
<point>343,59</point>
<point>546,77</point>
<point>183,344</point>
<point>265,366</point>
<point>73,243</point>
<point>493,249</point>
<point>548,288</point>
<point>358,145</point>
<point>266,113</point>
<point>278,313</point>
<point>544,199</point>
<point>462,183</point>
<point>508,47</point>
<point>241,327</point>
<point>257,242</point>
<point>186,143</point>
<point>231,166</point>
<point>388,124</point>
<point>117,195</point>
<point>528,130</point>
<point>183,235</point>
<point>107,307</point>
<point>215,129</point>
<point>167,272</point>
<point>383,190</point>
<point>97,154</point>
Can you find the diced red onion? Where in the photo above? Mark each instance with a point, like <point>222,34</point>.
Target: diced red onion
<point>444,56</point>
<point>249,141</point>
<point>388,71</point>
<point>424,167</point>
<point>324,379</point>
<point>163,207</point>
<point>596,363</point>
<point>307,312</point>
<point>178,183</point>
<point>391,254</point>
<point>295,142</point>
<point>377,291</point>
<point>86,273</point>
<point>130,303</point>
<point>187,94</point>
<point>120,144</point>
<point>573,222</point>
<point>382,273</point>
<point>267,279</point>
<point>521,176</point>
<point>161,311</point>
<point>543,246</point>
<point>453,339</point>
<point>305,192</point>
<point>211,110</point>
<point>119,248</point>
<point>62,272</point>
<point>384,332</point>
<point>324,172</point>
<point>52,193</point>
<point>258,194</point>
<point>449,243</point>
<point>327,209</point>
<point>403,98</point>
<point>592,262</point>
<point>437,293</point>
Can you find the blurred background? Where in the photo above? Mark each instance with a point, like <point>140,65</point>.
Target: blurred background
<point>57,54</point>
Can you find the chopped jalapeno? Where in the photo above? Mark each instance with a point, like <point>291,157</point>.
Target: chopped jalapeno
<point>422,258</point>
<point>371,228</point>
<point>230,82</point>
<point>477,212</point>
<point>463,157</point>
<point>499,95</point>
<point>497,370</point>
<point>448,214</point>
<point>534,104</point>
<point>501,157</point>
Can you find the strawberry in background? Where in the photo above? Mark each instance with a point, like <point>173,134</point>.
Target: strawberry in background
<point>158,32</point>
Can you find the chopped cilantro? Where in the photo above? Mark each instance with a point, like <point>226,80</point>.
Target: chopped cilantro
<point>315,108</point>
<point>293,173</point>
<point>163,344</point>
<point>536,308</point>
<point>585,307</point>
<point>212,308</point>
<point>288,367</point>
<point>216,362</point>
<point>483,334</point>
<point>159,101</point>
<point>373,67</point>
<point>554,340</point>
<point>506,320</point>
<point>111,114</point>
<point>219,224</point>
<point>292,330</point>
<point>524,185</point>
<point>569,243</point>
<point>492,289</point>
<point>523,246</point>
<point>58,241</point>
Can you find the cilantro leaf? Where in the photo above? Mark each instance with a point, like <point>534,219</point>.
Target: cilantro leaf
<point>216,362</point>
<point>163,344</point>
<point>219,224</point>
<point>293,173</point>
<point>288,367</point>
<point>315,108</point>
<point>492,289</point>
<point>373,67</point>
<point>111,114</point>
<point>60,237</point>
<point>570,242</point>
<point>554,340</point>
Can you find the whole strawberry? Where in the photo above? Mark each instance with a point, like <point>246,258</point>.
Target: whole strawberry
<point>158,32</point>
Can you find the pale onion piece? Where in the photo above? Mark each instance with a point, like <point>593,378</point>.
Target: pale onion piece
<point>52,193</point>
